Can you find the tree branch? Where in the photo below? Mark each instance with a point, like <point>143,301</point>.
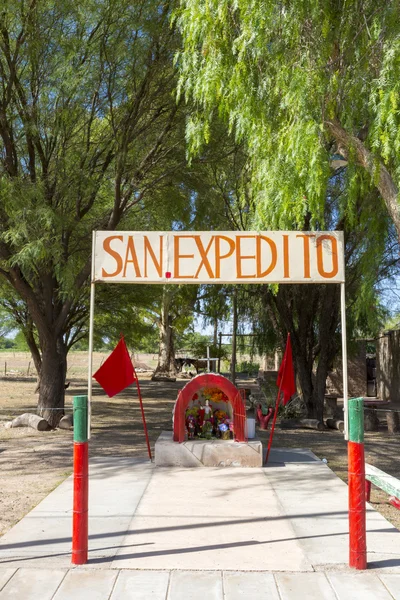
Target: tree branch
<point>366,159</point>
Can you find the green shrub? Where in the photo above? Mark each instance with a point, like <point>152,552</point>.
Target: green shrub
<point>247,366</point>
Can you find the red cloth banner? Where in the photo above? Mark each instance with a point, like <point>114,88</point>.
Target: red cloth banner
<point>286,381</point>
<point>117,372</point>
<point>286,384</point>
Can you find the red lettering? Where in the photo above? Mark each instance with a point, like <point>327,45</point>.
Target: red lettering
<point>203,254</point>
<point>274,256</point>
<point>178,256</point>
<point>131,250</point>
<point>306,242</point>
<point>219,256</point>
<point>240,257</point>
<point>116,256</point>
<point>149,250</point>
<point>320,256</point>
<point>286,273</point>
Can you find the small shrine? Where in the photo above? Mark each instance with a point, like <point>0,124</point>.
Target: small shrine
<point>208,407</point>
<point>209,427</point>
<point>209,415</point>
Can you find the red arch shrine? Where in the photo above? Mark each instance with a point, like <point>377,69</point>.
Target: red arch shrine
<point>210,380</point>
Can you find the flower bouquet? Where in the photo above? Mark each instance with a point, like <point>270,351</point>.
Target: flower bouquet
<point>215,395</point>
<point>220,416</point>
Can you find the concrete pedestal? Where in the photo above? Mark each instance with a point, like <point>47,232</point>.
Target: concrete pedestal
<point>207,453</point>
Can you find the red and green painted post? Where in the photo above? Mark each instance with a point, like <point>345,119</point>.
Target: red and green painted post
<point>81,482</point>
<point>357,522</point>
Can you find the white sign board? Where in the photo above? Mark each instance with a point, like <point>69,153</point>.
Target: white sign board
<point>219,257</point>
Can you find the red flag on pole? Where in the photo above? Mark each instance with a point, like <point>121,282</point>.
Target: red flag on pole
<point>117,372</point>
<point>286,384</point>
<point>285,380</point>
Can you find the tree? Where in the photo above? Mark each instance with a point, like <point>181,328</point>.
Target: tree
<point>305,87</point>
<point>213,307</point>
<point>6,326</point>
<point>174,313</point>
<point>195,345</point>
<point>311,313</point>
<point>122,309</point>
<point>298,82</point>
<point>17,317</point>
<point>87,131</point>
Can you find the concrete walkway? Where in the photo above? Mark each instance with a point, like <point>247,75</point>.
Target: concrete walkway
<point>182,534</point>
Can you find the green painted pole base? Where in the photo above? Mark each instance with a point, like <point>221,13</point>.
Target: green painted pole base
<point>356,420</point>
<point>80,419</point>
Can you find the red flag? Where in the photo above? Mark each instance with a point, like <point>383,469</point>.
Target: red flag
<point>117,372</point>
<point>285,380</point>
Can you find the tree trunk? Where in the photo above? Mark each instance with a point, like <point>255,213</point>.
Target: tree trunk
<point>306,380</point>
<point>67,422</point>
<point>320,387</point>
<point>52,380</point>
<point>29,420</point>
<point>335,424</point>
<point>166,355</point>
<point>393,421</point>
<point>371,420</point>
<point>35,352</point>
<point>311,315</point>
<point>378,172</point>
<point>330,407</point>
<point>215,336</point>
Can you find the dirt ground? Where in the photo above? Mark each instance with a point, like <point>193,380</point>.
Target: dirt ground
<point>33,463</point>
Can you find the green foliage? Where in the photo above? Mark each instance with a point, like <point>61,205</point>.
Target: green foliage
<point>120,310</point>
<point>16,343</point>
<point>93,138</point>
<point>246,366</point>
<point>6,343</point>
<point>86,133</point>
<point>392,323</point>
<point>195,345</point>
<point>280,74</point>
<point>6,324</point>
<point>19,343</point>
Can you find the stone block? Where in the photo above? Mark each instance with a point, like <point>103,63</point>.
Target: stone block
<point>86,585</point>
<point>194,585</point>
<point>356,587</point>
<point>141,585</point>
<point>207,453</point>
<point>33,584</point>
<point>257,586</point>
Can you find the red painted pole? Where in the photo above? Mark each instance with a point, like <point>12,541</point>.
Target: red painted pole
<point>81,483</point>
<point>394,502</point>
<point>80,514</point>
<point>368,485</point>
<point>356,481</point>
